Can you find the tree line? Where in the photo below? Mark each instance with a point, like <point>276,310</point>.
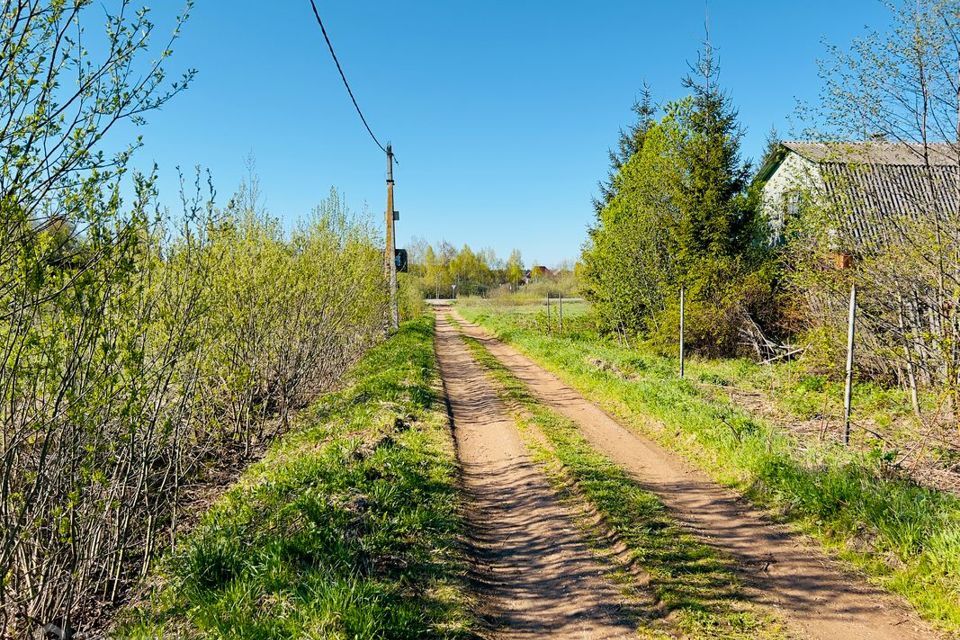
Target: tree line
<point>440,270</point>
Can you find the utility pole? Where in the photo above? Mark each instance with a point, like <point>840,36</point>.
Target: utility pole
<point>390,260</point>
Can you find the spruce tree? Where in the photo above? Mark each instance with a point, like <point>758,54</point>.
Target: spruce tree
<point>716,221</point>
<point>629,143</point>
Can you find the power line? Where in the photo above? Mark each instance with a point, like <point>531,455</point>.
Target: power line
<point>343,76</point>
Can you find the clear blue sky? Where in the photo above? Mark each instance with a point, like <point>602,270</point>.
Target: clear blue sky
<point>501,113</point>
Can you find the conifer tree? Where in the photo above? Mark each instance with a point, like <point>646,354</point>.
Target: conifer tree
<point>629,143</point>
<point>717,218</point>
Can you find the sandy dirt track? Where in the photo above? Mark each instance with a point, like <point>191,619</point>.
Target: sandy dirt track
<point>532,568</point>
<point>814,596</point>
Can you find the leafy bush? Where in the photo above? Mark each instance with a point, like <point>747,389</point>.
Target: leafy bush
<point>137,353</point>
<point>154,354</point>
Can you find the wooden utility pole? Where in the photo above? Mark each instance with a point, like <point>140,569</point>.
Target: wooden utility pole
<point>389,258</point>
<point>848,386</point>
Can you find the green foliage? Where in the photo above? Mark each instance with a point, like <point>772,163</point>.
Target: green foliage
<point>87,336</point>
<point>410,296</point>
<point>630,142</point>
<point>147,354</point>
<point>348,529</point>
<point>445,272</point>
<point>514,271</point>
<point>471,271</point>
<point>681,215</point>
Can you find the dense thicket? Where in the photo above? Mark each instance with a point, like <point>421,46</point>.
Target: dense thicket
<point>128,374</point>
<point>137,352</point>
<point>679,214</point>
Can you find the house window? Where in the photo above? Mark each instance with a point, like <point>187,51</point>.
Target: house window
<point>793,200</point>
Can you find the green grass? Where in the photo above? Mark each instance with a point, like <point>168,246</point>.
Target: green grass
<point>347,529</point>
<point>906,537</point>
<point>795,389</point>
<point>696,590</point>
<point>572,308</point>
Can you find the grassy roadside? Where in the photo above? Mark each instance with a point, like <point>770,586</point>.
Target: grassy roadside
<point>793,389</point>
<point>696,591</point>
<point>906,537</point>
<point>347,529</point>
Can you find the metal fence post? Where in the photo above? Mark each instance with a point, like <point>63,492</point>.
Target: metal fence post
<point>682,305</point>
<point>848,386</point>
<point>549,325</point>
<point>561,314</point>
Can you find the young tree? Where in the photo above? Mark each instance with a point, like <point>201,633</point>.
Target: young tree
<point>471,272</point>
<point>680,215</point>
<point>514,269</point>
<point>436,270</point>
<point>716,218</point>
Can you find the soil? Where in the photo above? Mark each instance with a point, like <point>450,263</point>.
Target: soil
<point>532,568</point>
<point>785,571</point>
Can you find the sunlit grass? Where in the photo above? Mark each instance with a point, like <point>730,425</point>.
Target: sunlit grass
<point>347,529</point>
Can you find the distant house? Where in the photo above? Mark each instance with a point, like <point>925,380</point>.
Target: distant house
<point>869,186</point>
<point>537,272</point>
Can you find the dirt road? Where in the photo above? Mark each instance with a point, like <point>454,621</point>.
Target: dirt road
<point>781,570</point>
<point>533,570</point>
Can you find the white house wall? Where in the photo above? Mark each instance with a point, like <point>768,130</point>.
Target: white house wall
<point>794,175</point>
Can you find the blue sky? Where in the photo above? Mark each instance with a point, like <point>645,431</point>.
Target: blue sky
<point>501,113</point>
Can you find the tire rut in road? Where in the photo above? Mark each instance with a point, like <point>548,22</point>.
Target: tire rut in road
<point>533,570</point>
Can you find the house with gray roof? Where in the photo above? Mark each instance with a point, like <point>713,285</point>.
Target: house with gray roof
<point>871,189</point>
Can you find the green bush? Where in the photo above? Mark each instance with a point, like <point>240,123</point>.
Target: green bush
<point>156,355</point>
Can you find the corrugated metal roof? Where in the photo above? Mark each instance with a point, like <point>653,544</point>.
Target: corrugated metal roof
<point>884,153</point>
<point>882,186</point>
